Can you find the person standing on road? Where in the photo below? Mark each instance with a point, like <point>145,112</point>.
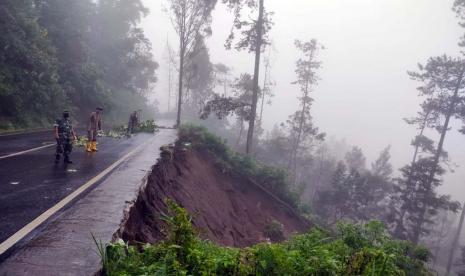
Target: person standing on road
<point>95,124</point>
<point>64,135</point>
<point>133,122</point>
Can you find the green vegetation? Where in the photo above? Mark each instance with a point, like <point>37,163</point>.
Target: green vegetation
<point>274,231</point>
<point>75,55</point>
<point>273,179</point>
<point>362,249</point>
<point>148,126</point>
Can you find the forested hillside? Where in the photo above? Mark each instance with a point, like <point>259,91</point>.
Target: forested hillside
<point>76,55</point>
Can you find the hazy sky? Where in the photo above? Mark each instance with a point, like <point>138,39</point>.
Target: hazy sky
<point>364,90</point>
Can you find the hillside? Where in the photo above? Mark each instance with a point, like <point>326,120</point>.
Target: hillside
<point>206,210</point>
<point>227,208</point>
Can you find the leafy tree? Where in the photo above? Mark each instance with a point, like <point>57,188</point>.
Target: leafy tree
<point>420,201</point>
<point>60,54</point>
<point>190,19</point>
<point>441,82</point>
<point>70,25</point>
<point>239,103</point>
<point>356,194</point>
<point>382,166</point>
<point>199,77</point>
<point>129,69</point>
<point>222,76</point>
<point>347,197</point>
<point>423,146</point>
<point>355,159</point>
<point>30,92</point>
<point>318,172</point>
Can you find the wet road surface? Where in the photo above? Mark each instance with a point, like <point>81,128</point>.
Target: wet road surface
<point>20,142</point>
<point>31,183</point>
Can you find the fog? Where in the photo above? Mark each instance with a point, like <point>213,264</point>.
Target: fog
<point>364,92</point>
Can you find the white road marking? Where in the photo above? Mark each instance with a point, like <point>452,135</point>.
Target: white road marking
<point>16,237</point>
<point>25,151</point>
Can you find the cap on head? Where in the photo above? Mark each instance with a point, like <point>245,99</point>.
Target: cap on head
<point>65,113</point>
<point>99,108</point>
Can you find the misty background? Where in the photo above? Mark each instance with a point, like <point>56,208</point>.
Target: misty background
<point>364,92</point>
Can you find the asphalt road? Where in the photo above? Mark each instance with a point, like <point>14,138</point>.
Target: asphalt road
<point>31,183</point>
<point>14,143</point>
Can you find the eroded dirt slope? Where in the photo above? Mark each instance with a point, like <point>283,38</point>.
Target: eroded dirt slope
<point>226,209</point>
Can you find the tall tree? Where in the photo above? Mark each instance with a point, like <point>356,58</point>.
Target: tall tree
<point>190,19</point>
<point>267,83</point>
<point>455,242</point>
<point>70,26</point>
<point>442,81</point>
<point>30,92</point>
<point>170,58</point>
<point>442,85</point>
<point>355,159</point>
<point>423,145</point>
<point>222,76</point>
<point>120,48</point>
<point>352,196</point>
<point>254,37</point>
<point>300,123</point>
<point>198,78</point>
<point>382,166</point>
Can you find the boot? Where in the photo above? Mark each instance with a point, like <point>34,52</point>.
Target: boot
<point>67,161</point>
<point>89,146</point>
<point>94,146</point>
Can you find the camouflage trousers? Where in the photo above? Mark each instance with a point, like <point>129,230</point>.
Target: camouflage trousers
<point>64,146</point>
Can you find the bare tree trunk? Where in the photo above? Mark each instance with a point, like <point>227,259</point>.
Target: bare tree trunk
<point>455,242</point>
<point>437,244</point>
<point>240,134</point>
<point>296,145</point>
<point>258,47</point>
<point>437,155</point>
<point>264,91</point>
<point>169,85</point>
<point>181,72</point>
<point>225,86</point>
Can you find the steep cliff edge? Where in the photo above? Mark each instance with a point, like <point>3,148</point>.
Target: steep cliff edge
<point>226,207</point>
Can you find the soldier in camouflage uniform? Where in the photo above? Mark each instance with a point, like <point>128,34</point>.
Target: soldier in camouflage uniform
<point>64,135</point>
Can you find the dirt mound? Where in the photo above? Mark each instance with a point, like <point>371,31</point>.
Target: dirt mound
<point>229,210</point>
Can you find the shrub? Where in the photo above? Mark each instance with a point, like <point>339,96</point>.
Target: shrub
<point>363,249</point>
<point>274,231</point>
<point>273,179</point>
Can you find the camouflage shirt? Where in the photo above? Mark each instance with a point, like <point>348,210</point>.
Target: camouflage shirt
<point>64,128</point>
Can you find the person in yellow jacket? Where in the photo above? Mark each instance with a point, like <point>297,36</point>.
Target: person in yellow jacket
<point>95,124</point>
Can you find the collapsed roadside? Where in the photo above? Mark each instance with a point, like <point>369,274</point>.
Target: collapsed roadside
<point>202,196</point>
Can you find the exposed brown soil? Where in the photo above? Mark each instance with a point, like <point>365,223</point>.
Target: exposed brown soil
<point>229,210</point>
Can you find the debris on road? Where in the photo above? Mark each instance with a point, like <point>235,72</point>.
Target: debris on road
<point>119,132</point>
